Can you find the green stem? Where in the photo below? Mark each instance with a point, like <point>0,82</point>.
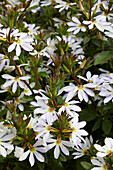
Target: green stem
<point>21,75</point>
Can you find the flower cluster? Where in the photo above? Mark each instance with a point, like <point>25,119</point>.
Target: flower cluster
<point>56,81</point>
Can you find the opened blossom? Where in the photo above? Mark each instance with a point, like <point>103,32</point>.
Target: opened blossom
<point>70,107</point>
<point>63,5</point>
<point>14,81</point>
<point>83,91</point>
<point>77,131</point>
<point>23,41</point>
<point>107,149</point>
<point>59,144</point>
<point>34,151</point>
<point>99,163</point>
<point>75,26</point>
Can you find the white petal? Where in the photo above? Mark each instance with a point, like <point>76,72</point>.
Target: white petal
<point>109,143</point>
<point>85,96</point>
<point>75,108</point>
<point>80,95</point>
<point>64,149</point>
<point>89,92</point>
<point>8,145</point>
<point>96,162</point>
<point>7,83</point>
<point>25,77</point>
<point>107,99</point>
<point>18,50</point>
<point>99,148</point>
<point>21,107</point>
<point>76,31</point>
<point>3,151</point>
<point>39,156</point>
<point>21,84</point>
<point>24,155</point>
<point>71,29</point>
<point>56,152</point>
<point>7,76</point>
<point>26,47</point>
<point>14,88</point>
<point>31,159</point>
<point>11,47</point>
<point>76,20</point>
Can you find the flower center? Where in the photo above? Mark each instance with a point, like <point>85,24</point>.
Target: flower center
<point>16,79</point>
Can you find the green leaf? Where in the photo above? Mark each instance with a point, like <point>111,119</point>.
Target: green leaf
<point>106,126</point>
<point>96,125</point>
<point>43,74</point>
<point>17,167</point>
<point>31,8</point>
<point>3,112</point>
<point>3,20</point>
<point>102,57</point>
<point>27,98</point>
<point>87,115</point>
<point>86,165</point>
<point>86,40</point>
<point>62,158</point>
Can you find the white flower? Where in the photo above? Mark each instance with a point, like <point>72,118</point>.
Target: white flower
<point>26,90</point>
<point>43,129</point>
<point>108,92</point>
<point>75,26</point>
<point>18,151</point>
<point>82,90</point>
<point>99,22</point>
<point>19,102</point>
<point>46,2</point>
<point>77,132</point>
<point>34,150</point>
<point>33,3</point>
<point>32,30</point>
<point>70,107</point>
<point>89,78</point>
<point>32,123</point>
<point>22,41</point>
<point>5,145</point>
<point>3,60</point>
<point>59,144</point>
<point>14,2</point>
<point>83,148</point>
<point>106,149</point>
<point>63,5</point>
<point>100,163</point>
<point>15,81</point>
<point>43,108</point>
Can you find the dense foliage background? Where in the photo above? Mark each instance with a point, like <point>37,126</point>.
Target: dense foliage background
<point>56,80</point>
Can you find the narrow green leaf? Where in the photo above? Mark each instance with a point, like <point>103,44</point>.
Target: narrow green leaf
<point>86,40</point>
<point>96,125</point>
<point>86,165</point>
<point>43,74</point>
<point>106,126</point>
<point>27,98</point>
<point>102,57</point>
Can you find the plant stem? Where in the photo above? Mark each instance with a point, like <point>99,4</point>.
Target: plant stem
<point>35,70</point>
<point>21,75</point>
<point>24,10</point>
<point>74,77</point>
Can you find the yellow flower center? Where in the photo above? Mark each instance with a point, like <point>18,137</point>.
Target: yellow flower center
<point>84,151</point>
<point>26,91</point>
<point>32,149</point>
<point>16,79</point>
<point>80,87</point>
<point>19,41</point>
